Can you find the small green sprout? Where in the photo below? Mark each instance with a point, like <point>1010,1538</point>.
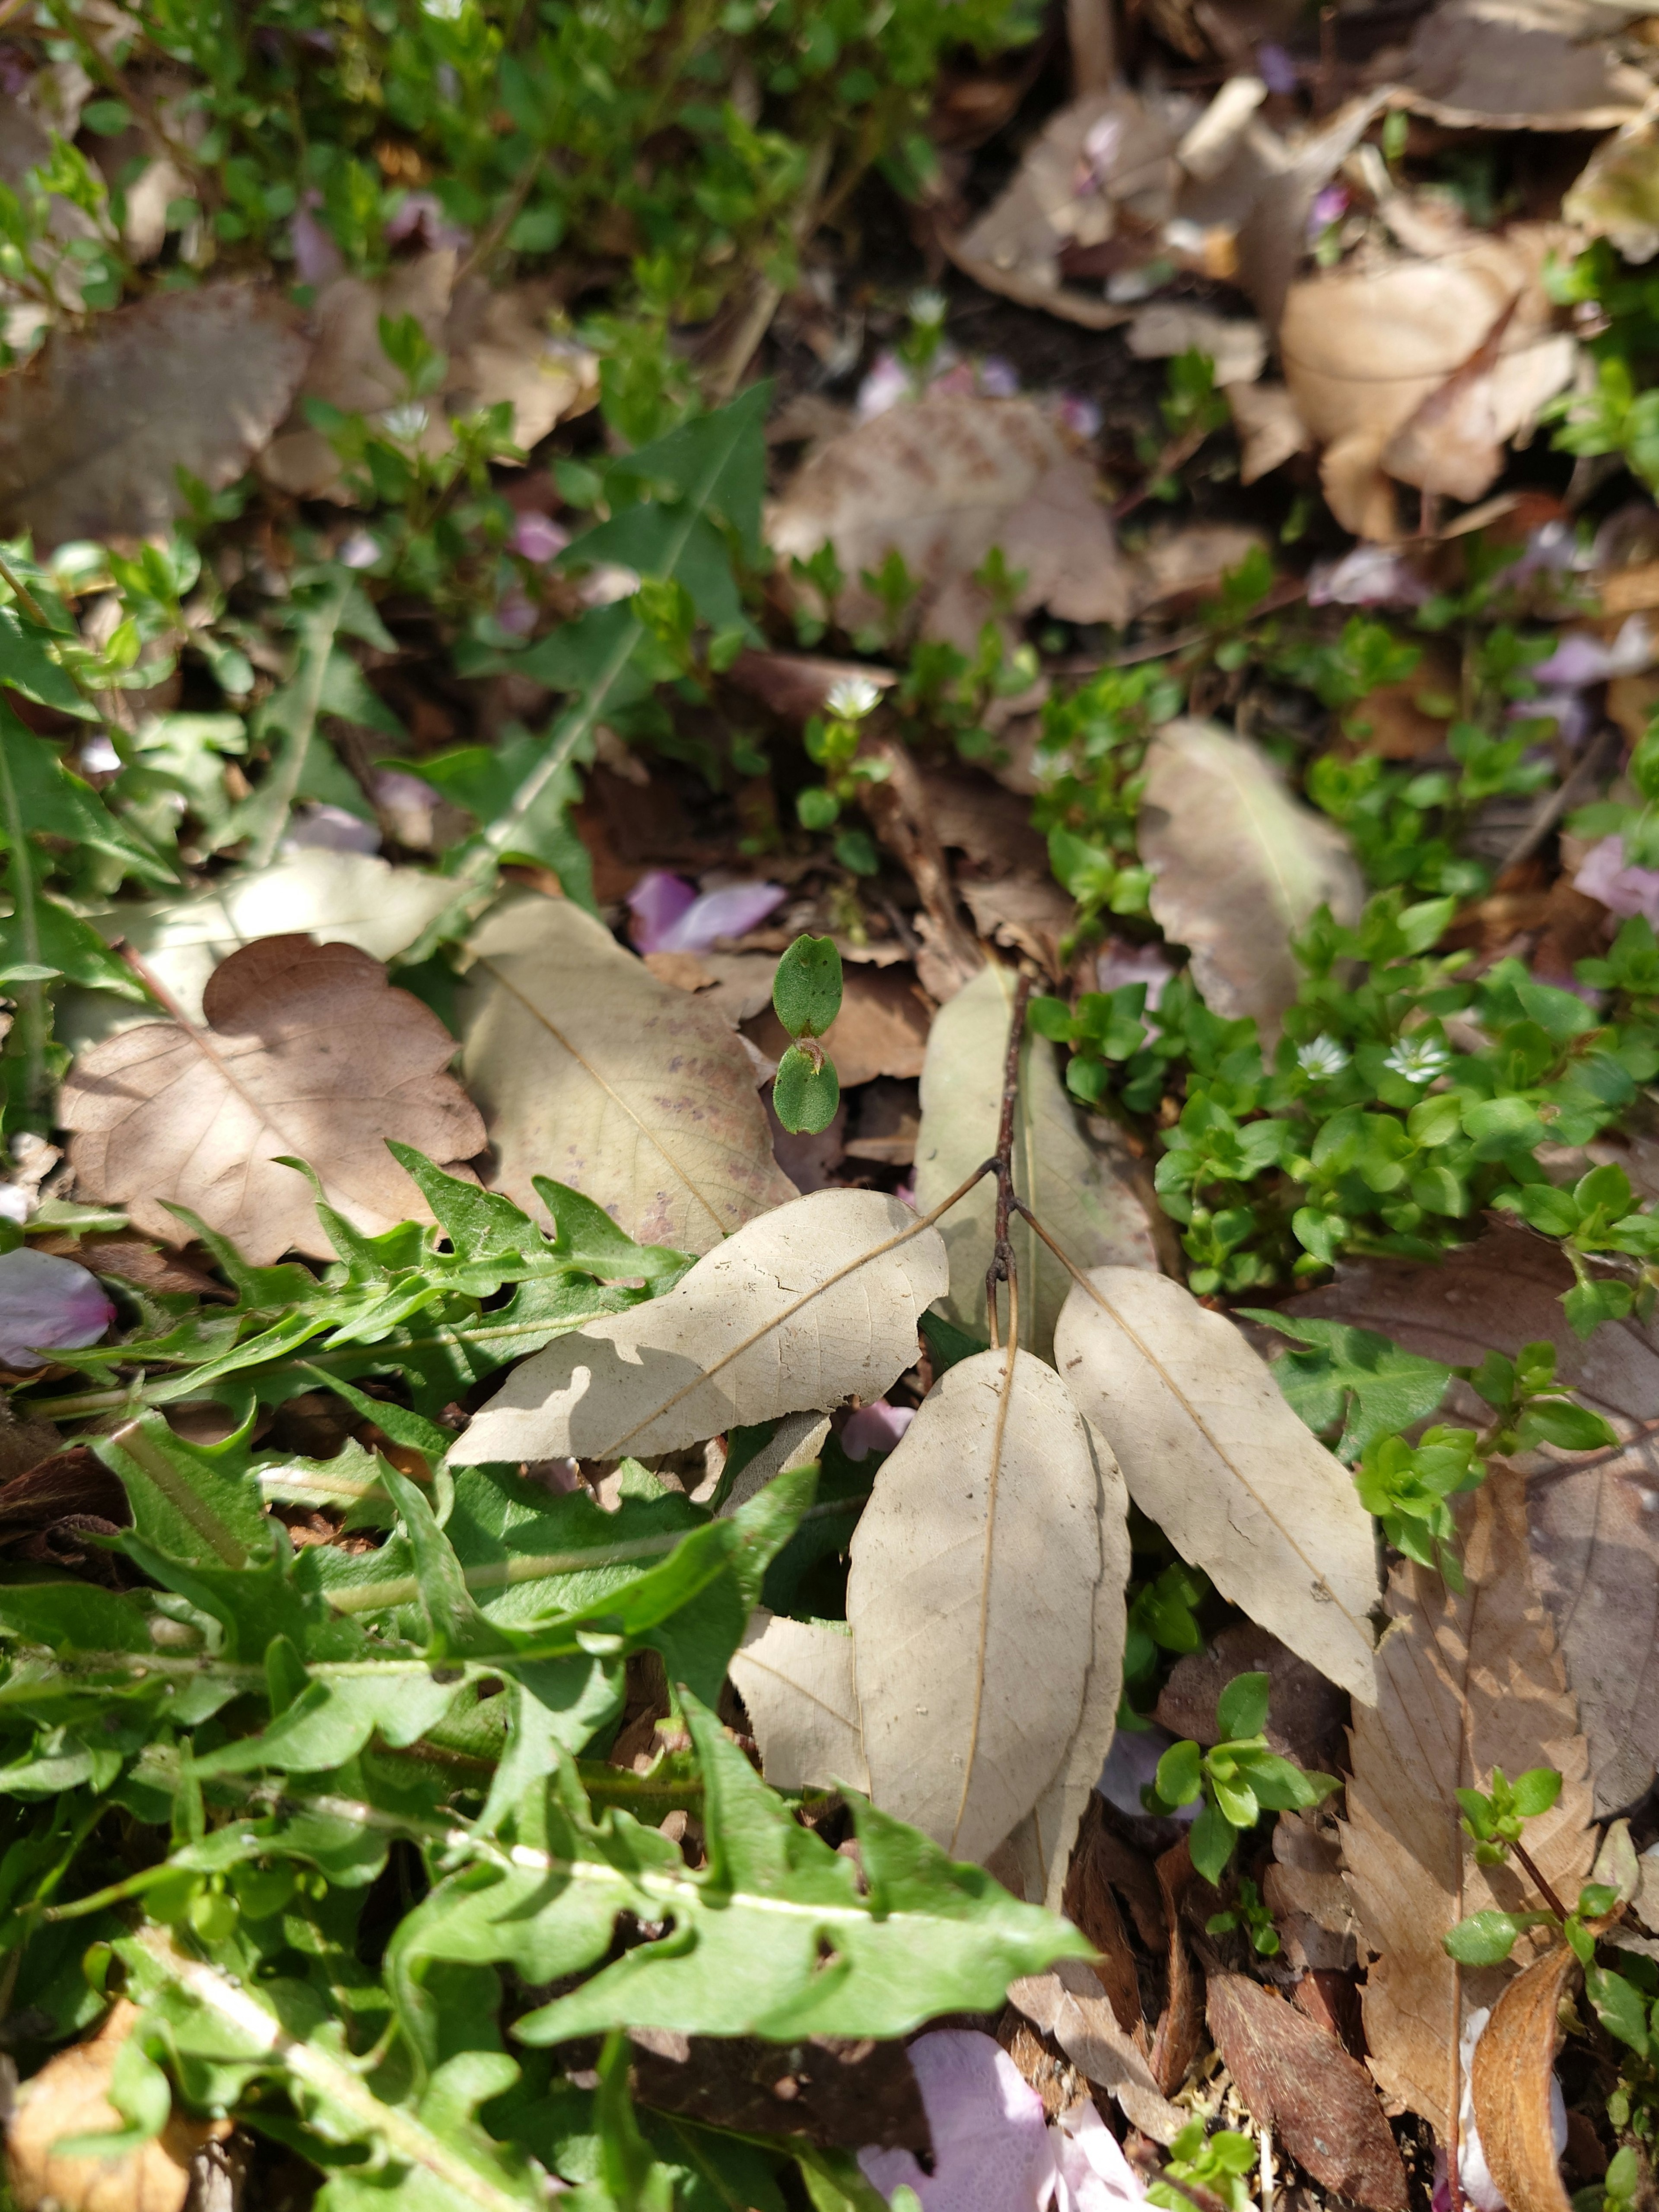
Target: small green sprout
<point>1238,1780</point>
<point>1493,1821</point>
<point>1218,2163</point>
<point>806,995</point>
<point>1250,1914</point>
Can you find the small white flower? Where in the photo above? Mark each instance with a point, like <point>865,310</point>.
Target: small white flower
<point>1321,1057</point>
<point>851,699</point>
<point>447,11</point>
<point>928,308</point>
<point>405,423</point>
<point>1419,1059</point>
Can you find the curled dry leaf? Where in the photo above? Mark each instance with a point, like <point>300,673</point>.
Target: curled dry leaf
<point>1084,1196</point>
<point>70,2096</point>
<point>795,1678</point>
<point>1464,1684</point>
<point>1595,1547</point>
<point>96,427</point>
<point>1066,2003</point>
<point>1491,65</point>
<point>1297,2079</point>
<point>1367,346</point>
<point>1181,2031</point>
<point>814,1303</point>
<point>1211,1452</point>
<point>941,482</point>
<point>1239,866</point>
<point>1270,430</point>
<point>971,1600</point>
<point>590,1070</point>
<point>1237,346</point>
<point>1511,2078</point>
<point>308,1053</point>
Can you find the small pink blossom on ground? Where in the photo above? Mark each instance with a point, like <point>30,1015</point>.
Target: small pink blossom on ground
<point>1081,416</point>
<point>886,382</point>
<point>421,215</point>
<point>1580,659</point>
<point>875,1427</point>
<point>1119,962</point>
<point>536,536</point>
<point>46,1302</point>
<point>330,830</point>
<point>1369,576</point>
<point>1094,2175</point>
<point>1569,710</point>
<point>362,550</point>
<point>316,259</point>
<point>1621,889</point>
<point>668,915</point>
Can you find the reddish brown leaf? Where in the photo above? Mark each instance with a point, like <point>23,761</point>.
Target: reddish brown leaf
<point>1088,1904</point>
<point>1297,2080</point>
<point>1181,2030</point>
<point>1510,2081</point>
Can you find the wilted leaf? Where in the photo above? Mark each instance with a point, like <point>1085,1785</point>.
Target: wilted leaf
<point>1595,1548</point>
<point>45,1300</point>
<point>1303,1889</point>
<point>96,426</point>
<point>307,1053</point>
<point>941,482</point>
<point>1084,1197</point>
<point>971,1598</point>
<point>1239,866</point>
<point>795,1678</point>
<point>1464,1684</point>
<point>591,1070</point>
<point>812,1303</point>
<point>1066,2003</point>
<point>1511,2080</point>
<point>1491,65</point>
<point>1297,2080</point>
<point>1212,1454</point>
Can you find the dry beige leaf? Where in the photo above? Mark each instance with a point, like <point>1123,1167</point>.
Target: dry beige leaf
<point>96,426</point>
<point>1239,866</point>
<point>500,349</point>
<point>1213,1453</point>
<point>1464,1684</point>
<point>813,1303</point>
<point>1270,430</point>
<point>1594,1545</point>
<point>1084,1196</point>
<point>941,482</point>
<point>1616,196</point>
<point>1237,346</point>
<point>1511,2079</point>
<point>1303,1889</point>
<point>1067,2004</point>
<point>308,1053</point>
<point>1044,1840</point>
<point>971,1600</point>
<point>1478,65</point>
<point>70,2096</point>
<point>591,1070</point>
<point>1364,346</point>
<point>1023,916</point>
<point>795,1678</point>
<point>1190,560</point>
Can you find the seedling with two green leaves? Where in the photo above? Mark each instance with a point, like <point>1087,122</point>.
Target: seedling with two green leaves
<point>806,997</point>
<point>1238,1781</point>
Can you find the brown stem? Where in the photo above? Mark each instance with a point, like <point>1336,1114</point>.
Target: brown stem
<point>1001,1269</point>
<point>1177,452</point>
<point>1145,2157</point>
<point>900,815</point>
<point>1538,1881</point>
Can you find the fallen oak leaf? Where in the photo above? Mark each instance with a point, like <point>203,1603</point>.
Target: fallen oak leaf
<point>1511,2080</point>
<point>814,1303</point>
<point>305,1051</point>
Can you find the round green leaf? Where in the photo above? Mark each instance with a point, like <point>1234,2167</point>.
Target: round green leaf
<point>807,989</point>
<point>805,1097</point>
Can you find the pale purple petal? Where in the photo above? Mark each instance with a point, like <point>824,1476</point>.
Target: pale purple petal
<point>887,383</point>
<point>656,902</point>
<point>537,536</point>
<point>516,614</point>
<point>1329,206</point>
<point>316,259</point>
<point>1079,415</point>
<point>1132,1764</point>
<point>998,378</point>
<point>1369,576</point>
<point>1094,2175</point>
<point>728,913</point>
<point>1275,68</point>
<point>330,830</point>
<point>45,1301</point>
<point>1579,659</point>
<point>362,550</point>
<point>391,788</point>
<point>422,213</point>
<point>875,1427</point>
<point>1568,709</point>
<point>1119,963</point>
<point>993,2152</point>
<point>1621,889</point>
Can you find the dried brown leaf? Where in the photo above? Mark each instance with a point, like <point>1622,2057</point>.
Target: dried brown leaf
<point>1511,2080</point>
<point>1180,2032</point>
<point>1270,430</point>
<point>306,1052</point>
<point>1591,1518</point>
<point>1615,197</point>
<point>1297,2080</point>
<point>1482,65</point>
<point>1067,2004</point>
<point>1464,1684</point>
<point>96,426</point>
<point>1303,1889</point>
<point>1088,1903</point>
<point>881,1029</point>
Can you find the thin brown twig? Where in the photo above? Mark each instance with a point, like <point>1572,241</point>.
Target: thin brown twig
<point>1145,2157</point>
<point>1538,1881</point>
<point>1001,1269</point>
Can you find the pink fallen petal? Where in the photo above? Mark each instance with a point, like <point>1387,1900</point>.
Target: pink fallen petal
<point>361,549</point>
<point>1080,415</point>
<point>515,614</point>
<point>1579,659</point>
<point>1369,576</point>
<point>875,1427</point>
<point>656,902</point>
<point>1132,1765</point>
<point>1120,963</point>
<point>536,536</point>
<point>998,378</point>
<point>1569,710</point>
<point>46,1302</point>
<point>730,912</point>
<point>1275,67</point>
<point>330,830</point>
<point>420,213</point>
<point>1094,2175</point>
<point>1620,888</point>
<point>316,259</point>
<point>992,2147</point>
<point>888,382</point>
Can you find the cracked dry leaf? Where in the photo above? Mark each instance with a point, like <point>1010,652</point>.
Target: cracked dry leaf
<point>305,1051</point>
<point>971,1598</point>
<point>1085,1197</point>
<point>1464,1684</point>
<point>795,1678</point>
<point>1511,2080</point>
<point>95,427</point>
<point>1067,2004</point>
<point>1591,1517</point>
<point>590,1070</point>
<point>1211,1452</point>
<point>1485,65</point>
<point>814,1303</point>
<point>70,2096</point>
<point>1239,866</point>
<point>941,481</point>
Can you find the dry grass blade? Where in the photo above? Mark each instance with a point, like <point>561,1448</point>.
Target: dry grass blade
<point>970,1597</point>
<point>1511,2080</point>
<point>813,1303</point>
<point>307,1053</point>
<point>1465,1684</point>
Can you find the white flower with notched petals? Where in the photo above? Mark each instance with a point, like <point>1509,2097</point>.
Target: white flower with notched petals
<point>1419,1059</point>
<point>852,698</point>
<point>405,423</point>
<point>1321,1057</point>
<point>928,308</point>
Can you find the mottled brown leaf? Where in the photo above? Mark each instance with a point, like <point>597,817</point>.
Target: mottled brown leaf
<point>1509,2079</point>
<point>1067,2004</point>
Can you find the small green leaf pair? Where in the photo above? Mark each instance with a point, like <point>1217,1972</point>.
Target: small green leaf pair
<point>1238,1780</point>
<point>806,996</point>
